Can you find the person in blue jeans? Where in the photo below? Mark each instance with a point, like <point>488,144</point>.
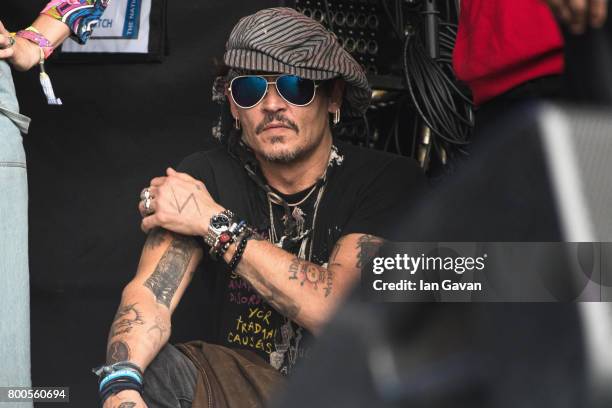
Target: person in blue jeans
<point>24,50</point>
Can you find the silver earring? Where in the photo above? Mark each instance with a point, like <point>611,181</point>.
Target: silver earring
<point>336,119</point>
<point>236,123</point>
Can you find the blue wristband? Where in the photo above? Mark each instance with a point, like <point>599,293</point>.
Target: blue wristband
<point>118,374</point>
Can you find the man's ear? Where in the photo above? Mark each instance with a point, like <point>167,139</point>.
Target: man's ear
<point>336,94</point>
<point>233,107</point>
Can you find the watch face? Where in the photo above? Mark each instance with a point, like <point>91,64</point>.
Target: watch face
<point>220,221</point>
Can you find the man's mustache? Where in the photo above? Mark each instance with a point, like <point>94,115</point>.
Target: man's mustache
<point>276,117</point>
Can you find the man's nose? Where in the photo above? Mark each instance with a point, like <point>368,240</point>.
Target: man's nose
<point>273,102</point>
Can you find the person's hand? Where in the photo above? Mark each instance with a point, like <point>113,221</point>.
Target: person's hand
<point>578,14</point>
<point>125,399</point>
<point>21,53</point>
<point>179,203</point>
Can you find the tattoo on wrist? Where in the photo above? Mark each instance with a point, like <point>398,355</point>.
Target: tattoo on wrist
<point>117,351</point>
<point>367,247</point>
<point>127,317</point>
<point>171,269</point>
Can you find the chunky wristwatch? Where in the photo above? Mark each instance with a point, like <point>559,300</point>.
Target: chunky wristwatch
<point>219,223</point>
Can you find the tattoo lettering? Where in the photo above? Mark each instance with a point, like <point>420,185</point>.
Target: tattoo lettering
<point>368,246</point>
<point>329,281</point>
<point>155,238</point>
<point>180,208</point>
<point>170,270</point>
<point>161,327</point>
<point>276,298</point>
<point>294,268</point>
<point>126,318</point>
<point>117,351</point>
<point>127,404</point>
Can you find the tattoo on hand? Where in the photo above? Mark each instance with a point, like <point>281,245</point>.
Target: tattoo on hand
<point>128,404</point>
<point>368,246</point>
<point>155,238</point>
<point>180,208</point>
<point>170,270</point>
<point>126,318</point>
<point>117,351</point>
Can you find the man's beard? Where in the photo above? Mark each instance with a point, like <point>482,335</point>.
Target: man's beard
<point>289,156</point>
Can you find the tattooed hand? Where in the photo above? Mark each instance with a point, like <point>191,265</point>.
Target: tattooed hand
<point>180,203</point>
<point>125,399</point>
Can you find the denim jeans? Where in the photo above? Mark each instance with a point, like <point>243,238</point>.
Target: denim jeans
<point>14,274</point>
<point>170,380</point>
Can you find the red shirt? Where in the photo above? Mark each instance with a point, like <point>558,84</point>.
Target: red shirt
<point>504,43</point>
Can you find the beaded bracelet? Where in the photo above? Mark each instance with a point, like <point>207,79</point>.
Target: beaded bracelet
<point>240,247</point>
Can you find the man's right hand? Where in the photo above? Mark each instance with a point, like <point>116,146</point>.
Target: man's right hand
<point>125,399</point>
<point>578,14</point>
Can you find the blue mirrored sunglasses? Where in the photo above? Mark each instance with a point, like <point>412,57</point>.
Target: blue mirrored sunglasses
<point>248,90</point>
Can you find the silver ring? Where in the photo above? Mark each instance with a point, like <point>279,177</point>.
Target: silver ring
<point>147,206</point>
<point>11,41</point>
<point>145,193</point>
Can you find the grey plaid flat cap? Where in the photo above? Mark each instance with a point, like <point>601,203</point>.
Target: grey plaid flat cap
<point>283,40</point>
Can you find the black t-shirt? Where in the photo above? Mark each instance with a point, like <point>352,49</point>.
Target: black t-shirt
<point>362,193</point>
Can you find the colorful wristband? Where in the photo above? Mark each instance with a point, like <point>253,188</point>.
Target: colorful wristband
<point>33,35</point>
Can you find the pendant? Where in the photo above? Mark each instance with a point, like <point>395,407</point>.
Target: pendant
<point>298,215</point>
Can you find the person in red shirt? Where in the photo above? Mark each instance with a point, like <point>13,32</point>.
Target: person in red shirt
<point>508,51</point>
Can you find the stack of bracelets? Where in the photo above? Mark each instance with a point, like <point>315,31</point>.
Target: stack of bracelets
<point>238,232</point>
<point>118,377</point>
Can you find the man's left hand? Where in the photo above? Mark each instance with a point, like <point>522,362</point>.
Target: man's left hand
<point>179,203</point>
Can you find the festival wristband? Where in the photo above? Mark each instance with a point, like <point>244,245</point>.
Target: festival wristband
<point>33,35</point>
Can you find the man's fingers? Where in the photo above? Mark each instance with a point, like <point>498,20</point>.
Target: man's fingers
<point>158,181</point>
<point>561,10</point>
<point>148,223</point>
<point>182,176</point>
<point>579,15</point>
<point>598,12</point>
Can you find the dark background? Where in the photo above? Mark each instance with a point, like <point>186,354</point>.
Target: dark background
<point>120,126</point>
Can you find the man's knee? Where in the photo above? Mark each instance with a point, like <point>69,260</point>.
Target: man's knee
<point>170,379</point>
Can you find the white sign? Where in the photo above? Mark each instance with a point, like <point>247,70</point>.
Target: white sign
<point>123,28</point>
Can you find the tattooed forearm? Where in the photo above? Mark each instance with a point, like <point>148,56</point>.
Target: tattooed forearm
<point>170,270</point>
<point>117,351</point>
<point>161,327</point>
<point>311,274</point>
<point>155,238</point>
<point>127,317</point>
<point>275,297</point>
<point>367,247</point>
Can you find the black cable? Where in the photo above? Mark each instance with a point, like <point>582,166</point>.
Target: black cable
<point>439,103</point>
<point>397,32</point>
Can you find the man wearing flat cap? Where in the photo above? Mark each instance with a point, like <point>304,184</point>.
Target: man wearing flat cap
<point>281,217</point>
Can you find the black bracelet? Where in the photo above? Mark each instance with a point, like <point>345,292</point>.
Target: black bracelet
<point>118,386</point>
<point>240,247</point>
